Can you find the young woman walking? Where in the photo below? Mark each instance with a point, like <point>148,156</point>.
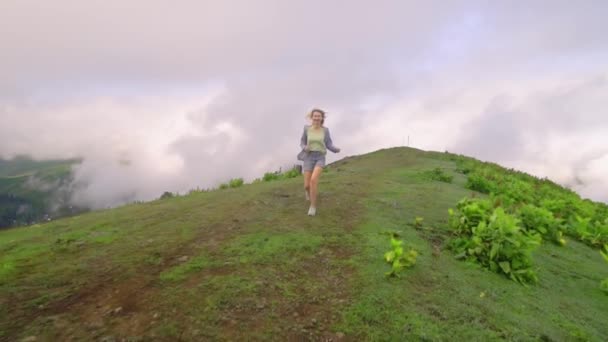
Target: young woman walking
<point>315,142</point>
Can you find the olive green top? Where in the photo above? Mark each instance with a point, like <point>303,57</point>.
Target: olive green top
<point>316,139</point>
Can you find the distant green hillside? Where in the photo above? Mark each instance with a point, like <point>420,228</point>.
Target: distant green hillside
<point>31,190</point>
<point>515,259</point>
<point>24,165</point>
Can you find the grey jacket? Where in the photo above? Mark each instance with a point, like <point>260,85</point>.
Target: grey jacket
<point>328,143</point>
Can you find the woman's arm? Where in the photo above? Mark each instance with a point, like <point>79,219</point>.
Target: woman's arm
<point>328,143</point>
<point>304,139</point>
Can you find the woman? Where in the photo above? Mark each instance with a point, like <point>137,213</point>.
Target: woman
<point>315,142</point>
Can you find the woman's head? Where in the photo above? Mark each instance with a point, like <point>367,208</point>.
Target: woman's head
<point>317,116</point>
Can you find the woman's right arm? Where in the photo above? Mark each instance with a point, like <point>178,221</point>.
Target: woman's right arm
<point>304,139</point>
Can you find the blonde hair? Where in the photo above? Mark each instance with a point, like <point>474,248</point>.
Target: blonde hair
<point>320,111</point>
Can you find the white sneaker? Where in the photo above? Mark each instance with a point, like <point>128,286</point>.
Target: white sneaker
<point>307,195</point>
<point>312,211</point>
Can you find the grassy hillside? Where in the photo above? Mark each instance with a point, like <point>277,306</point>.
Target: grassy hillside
<point>30,190</point>
<point>246,263</point>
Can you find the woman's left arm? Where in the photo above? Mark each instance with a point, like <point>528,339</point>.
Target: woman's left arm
<point>328,143</point>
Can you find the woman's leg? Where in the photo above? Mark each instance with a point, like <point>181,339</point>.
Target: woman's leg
<point>307,176</point>
<point>314,185</point>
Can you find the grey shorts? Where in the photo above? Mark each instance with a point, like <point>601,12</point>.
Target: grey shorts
<point>313,159</point>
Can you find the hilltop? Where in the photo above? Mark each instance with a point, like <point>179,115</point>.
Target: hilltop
<point>245,262</point>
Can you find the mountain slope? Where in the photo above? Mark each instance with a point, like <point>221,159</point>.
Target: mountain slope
<point>248,263</point>
<point>32,190</point>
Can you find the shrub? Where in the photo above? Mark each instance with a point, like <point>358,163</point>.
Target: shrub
<point>270,176</point>
<point>516,190</point>
<point>540,220</point>
<point>195,191</point>
<point>584,220</point>
<point>477,182</point>
<point>604,283</point>
<point>437,174</point>
<point>166,195</point>
<point>418,222</point>
<point>397,258</point>
<point>236,182</point>
<point>473,212</point>
<point>493,239</point>
<point>595,234</point>
<point>293,173</point>
<point>604,286</point>
<point>464,166</point>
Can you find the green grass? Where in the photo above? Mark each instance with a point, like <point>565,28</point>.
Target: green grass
<point>182,271</point>
<point>246,263</point>
<point>267,247</point>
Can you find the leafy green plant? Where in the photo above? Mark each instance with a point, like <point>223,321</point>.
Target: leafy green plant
<point>166,195</point>
<point>596,234</point>
<point>604,283</point>
<point>540,220</point>
<point>397,258</point>
<point>236,182</point>
<point>418,222</point>
<point>591,233</point>
<point>555,205</point>
<point>293,173</point>
<point>224,186</point>
<point>515,189</point>
<point>463,165</point>
<point>477,182</point>
<point>270,176</point>
<point>437,174</point>
<point>584,220</point>
<point>472,211</point>
<point>278,175</point>
<point>492,238</point>
<point>195,191</point>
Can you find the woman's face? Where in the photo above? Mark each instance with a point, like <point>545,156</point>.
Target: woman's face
<point>316,118</point>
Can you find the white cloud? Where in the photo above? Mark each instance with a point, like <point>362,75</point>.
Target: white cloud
<point>192,94</point>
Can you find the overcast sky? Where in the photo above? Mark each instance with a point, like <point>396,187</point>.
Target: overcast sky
<point>192,93</point>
